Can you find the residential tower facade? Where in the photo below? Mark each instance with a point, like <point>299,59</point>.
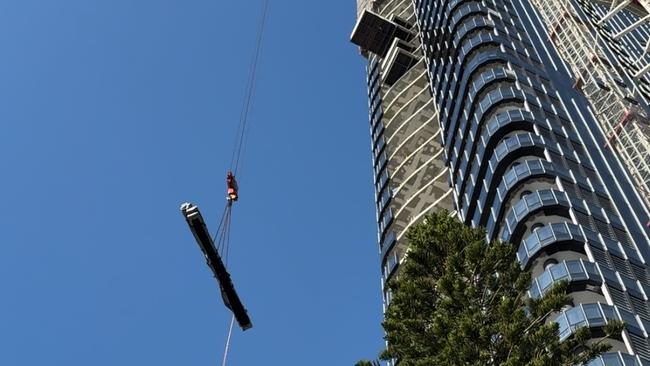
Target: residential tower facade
<point>528,118</point>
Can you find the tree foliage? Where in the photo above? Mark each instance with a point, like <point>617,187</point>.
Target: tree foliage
<point>461,301</point>
<point>367,363</point>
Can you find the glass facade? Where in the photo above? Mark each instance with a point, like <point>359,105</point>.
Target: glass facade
<point>491,119</point>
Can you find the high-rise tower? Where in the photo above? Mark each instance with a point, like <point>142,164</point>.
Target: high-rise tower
<point>529,118</point>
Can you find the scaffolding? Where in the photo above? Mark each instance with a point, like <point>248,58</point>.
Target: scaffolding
<point>624,122</point>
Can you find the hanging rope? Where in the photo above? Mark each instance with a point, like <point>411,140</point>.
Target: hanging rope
<point>223,232</point>
<point>222,236</point>
<point>225,352</point>
<point>221,223</point>
<point>249,93</point>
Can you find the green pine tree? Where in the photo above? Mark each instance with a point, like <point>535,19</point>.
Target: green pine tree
<point>367,363</point>
<point>461,301</point>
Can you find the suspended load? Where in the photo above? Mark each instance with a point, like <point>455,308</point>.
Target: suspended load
<point>214,261</point>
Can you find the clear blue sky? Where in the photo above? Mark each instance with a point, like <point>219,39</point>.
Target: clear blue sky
<point>115,112</point>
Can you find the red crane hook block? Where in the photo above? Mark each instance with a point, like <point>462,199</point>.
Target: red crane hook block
<point>233,189</point>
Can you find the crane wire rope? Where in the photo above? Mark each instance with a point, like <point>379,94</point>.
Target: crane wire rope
<point>222,235</point>
<point>249,92</point>
<point>225,352</point>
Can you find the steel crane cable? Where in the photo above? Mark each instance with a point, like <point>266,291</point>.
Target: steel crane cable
<point>221,223</point>
<point>242,129</point>
<point>222,240</point>
<point>225,352</point>
<point>222,236</point>
<point>247,104</point>
<point>223,232</point>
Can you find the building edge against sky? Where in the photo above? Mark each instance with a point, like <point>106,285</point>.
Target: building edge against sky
<point>529,118</point>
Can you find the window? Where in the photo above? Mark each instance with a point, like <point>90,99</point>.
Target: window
<point>594,316</point>
<point>524,193</point>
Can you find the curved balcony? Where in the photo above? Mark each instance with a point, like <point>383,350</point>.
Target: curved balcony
<point>514,178</point>
<point>497,77</point>
<point>492,57</point>
<point>495,130</point>
<point>485,154</point>
<point>506,153</point>
<point>618,359</point>
<point>549,201</point>
<point>578,273</point>
<point>476,129</point>
<point>452,13</point>
<point>450,72</point>
<point>550,239</point>
<point>468,50</point>
<point>502,99</point>
<point>474,48</point>
<point>595,316</point>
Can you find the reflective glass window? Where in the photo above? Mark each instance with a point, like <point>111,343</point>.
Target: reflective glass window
<point>544,281</point>
<point>535,167</point>
<point>608,311</point>
<point>594,316</point>
<point>533,244</point>
<point>561,234</point>
<point>501,190</point>
<point>510,178</point>
<point>561,198</point>
<point>533,201</point>
<point>522,255</point>
<point>520,209</point>
<point>521,169</point>
<point>545,235</point>
<point>592,237</point>
<point>512,143</point>
<point>613,247</point>
<point>592,270</point>
<point>612,359</point>
<point>560,229</point>
<point>596,362</point>
<point>631,322</point>
<point>564,327</point>
<point>631,286</point>
<point>559,272</point>
<point>546,196</point>
<point>645,323</point>
<point>575,318</point>
<point>615,220</point>
<point>575,231</point>
<point>534,291</point>
<point>631,253</point>
<point>610,276</point>
<point>389,240</point>
<point>576,271</point>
